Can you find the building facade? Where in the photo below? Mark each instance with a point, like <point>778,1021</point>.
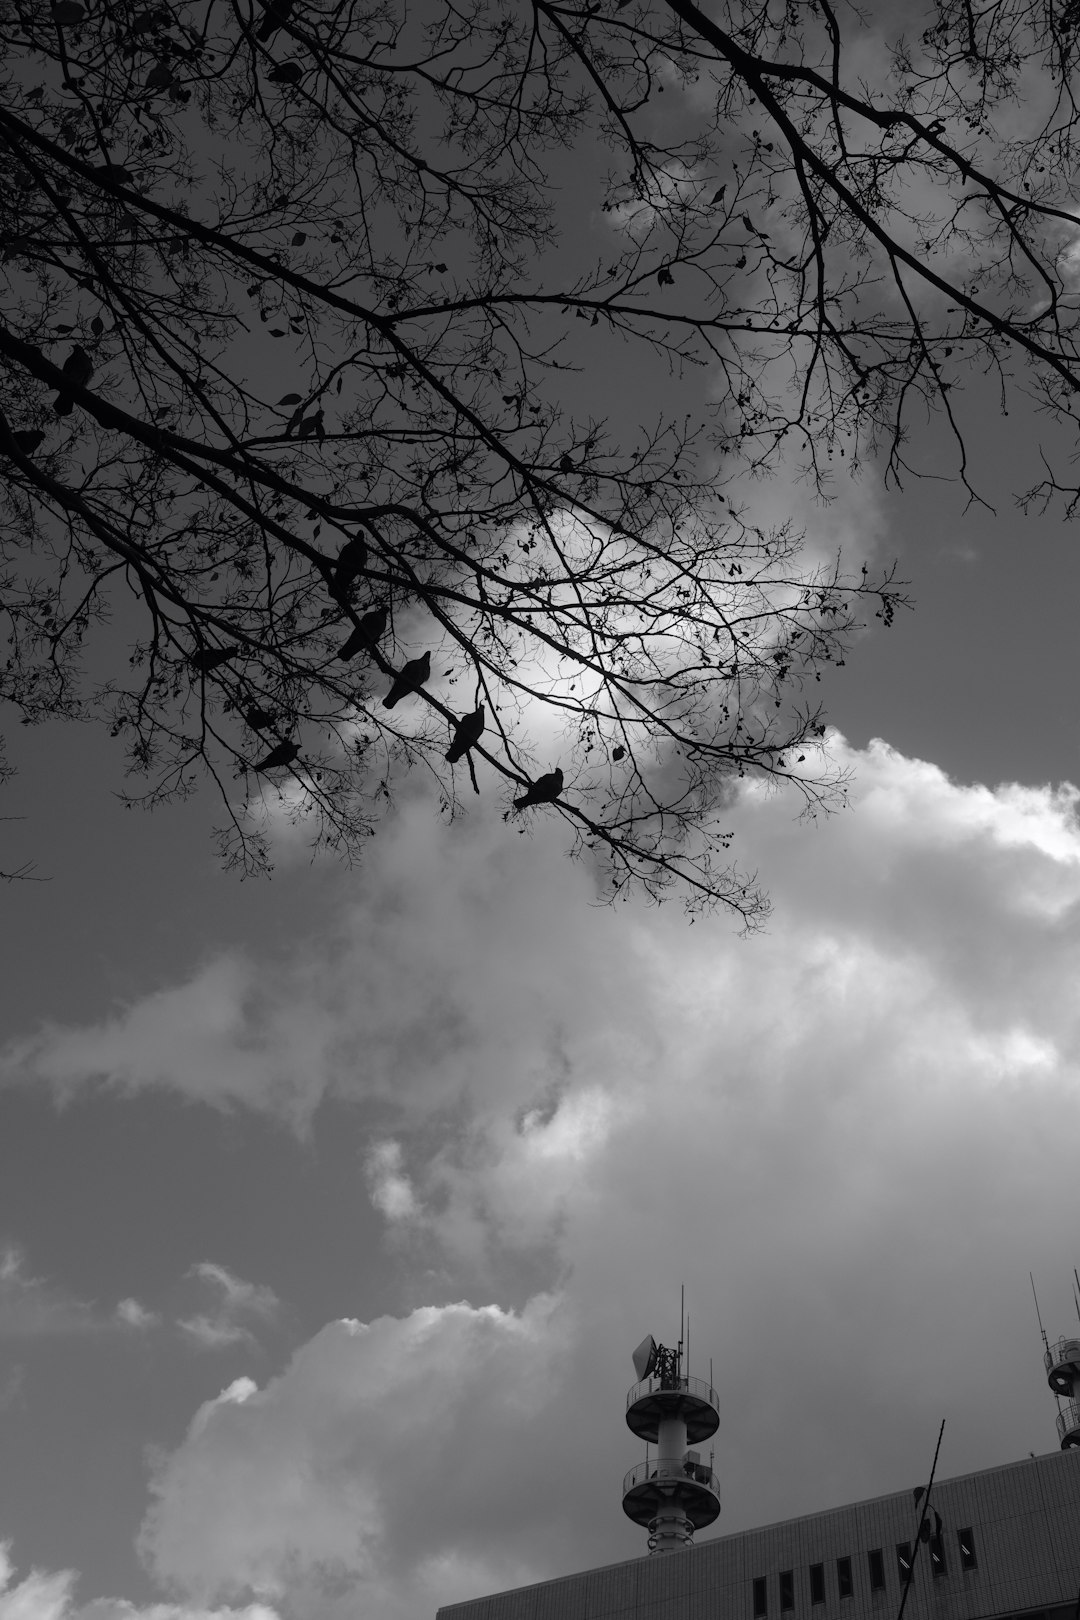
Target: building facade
<point>1005,1546</point>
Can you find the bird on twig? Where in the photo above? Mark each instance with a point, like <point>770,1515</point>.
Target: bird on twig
<point>283,754</point>
<point>78,368</point>
<point>368,632</point>
<point>545,790</point>
<point>210,658</point>
<point>409,679</point>
<point>350,564</point>
<point>467,731</point>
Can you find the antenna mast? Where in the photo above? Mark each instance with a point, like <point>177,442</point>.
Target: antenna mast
<point>682,1314</point>
<point>673,1493</point>
<point>1042,1330</point>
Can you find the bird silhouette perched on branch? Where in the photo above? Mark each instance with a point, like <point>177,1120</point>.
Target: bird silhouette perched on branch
<point>408,679</point>
<point>367,634</point>
<point>283,754</point>
<point>350,564</point>
<point>467,731</point>
<point>206,659</point>
<point>79,369</point>
<point>545,790</point>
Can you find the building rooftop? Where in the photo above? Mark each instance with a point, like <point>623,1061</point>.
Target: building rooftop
<point>1024,1515</point>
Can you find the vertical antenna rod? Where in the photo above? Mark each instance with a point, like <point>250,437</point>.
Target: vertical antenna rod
<point>1035,1297</point>
<point>682,1311</point>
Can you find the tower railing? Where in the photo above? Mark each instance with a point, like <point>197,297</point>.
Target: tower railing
<point>671,1468</point>
<point>689,1386</point>
<point>1068,1420</point>
<point>1055,1354</point>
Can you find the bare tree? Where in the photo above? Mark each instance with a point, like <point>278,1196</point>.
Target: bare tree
<point>295,490</point>
<point>25,872</point>
<point>922,228</point>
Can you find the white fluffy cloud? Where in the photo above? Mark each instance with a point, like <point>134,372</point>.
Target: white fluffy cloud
<point>194,1038</point>
<point>359,1480</point>
<point>922,954</point>
<point>236,1304</point>
<point>850,1137</point>
<point>34,1307</point>
<point>134,1315</point>
<point>30,1306</point>
<point>391,1190</point>
<point>50,1595</point>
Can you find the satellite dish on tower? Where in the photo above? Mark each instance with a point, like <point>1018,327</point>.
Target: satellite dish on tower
<point>645,1357</point>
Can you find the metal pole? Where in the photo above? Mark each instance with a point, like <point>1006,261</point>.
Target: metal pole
<point>682,1311</point>
<point>1035,1297</point>
<point>910,1582</point>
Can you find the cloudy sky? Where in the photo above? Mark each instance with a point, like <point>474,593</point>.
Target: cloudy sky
<point>332,1207</point>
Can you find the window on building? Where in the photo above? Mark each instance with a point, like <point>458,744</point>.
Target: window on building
<point>787,1589</point>
<point>761,1598</point>
<point>817,1583</point>
<point>843,1576</point>
<point>937,1556</point>
<point>903,1560</point>
<point>967,1550</point>
<point>877,1570</point>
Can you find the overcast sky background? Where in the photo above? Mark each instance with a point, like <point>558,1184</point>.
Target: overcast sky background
<point>332,1207</point>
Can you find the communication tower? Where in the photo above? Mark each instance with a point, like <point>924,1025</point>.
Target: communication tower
<point>1062,1363</point>
<point>672,1493</point>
